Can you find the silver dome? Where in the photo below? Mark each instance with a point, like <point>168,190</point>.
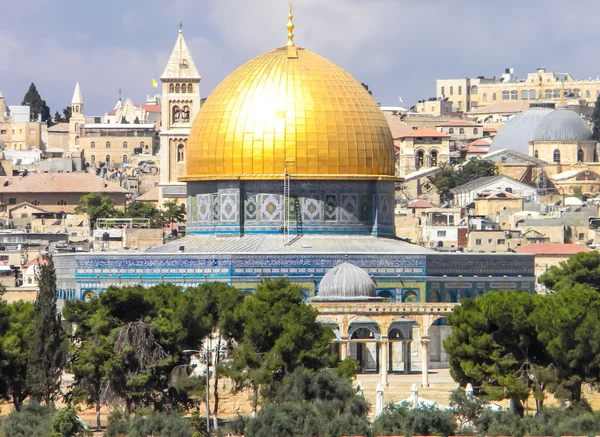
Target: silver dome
<point>519,130</point>
<point>346,282</point>
<point>563,125</point>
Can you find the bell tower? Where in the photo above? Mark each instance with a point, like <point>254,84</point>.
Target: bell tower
<point>180,104</point>
<point>77,120</point>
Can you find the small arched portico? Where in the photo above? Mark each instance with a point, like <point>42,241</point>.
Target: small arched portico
<point>400,337</point>
<point>363,340</point>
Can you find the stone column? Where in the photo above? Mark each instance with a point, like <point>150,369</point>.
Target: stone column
<point>384,360</point>
<point>425,361</point>
<point>343,348</point>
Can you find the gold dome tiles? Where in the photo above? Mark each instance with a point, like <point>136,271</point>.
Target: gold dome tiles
<point>304,114</point>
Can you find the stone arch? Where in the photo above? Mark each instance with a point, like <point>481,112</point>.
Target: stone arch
<point>434,296</point>
<point>401,344</point>
<point>438,330</point>
<point>364,337</point>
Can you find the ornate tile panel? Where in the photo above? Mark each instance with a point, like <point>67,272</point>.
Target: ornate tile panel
<point>312,208</point>
<point>228,207</point>
<point>204,207</point>
<point>193,208</point>
<point>331,209</point>
<point>349,207</point>
<point>251,207</point>
<point>385,208</point>
<point>366,208</point>
<point>271,208</point>
<point>215,207</point>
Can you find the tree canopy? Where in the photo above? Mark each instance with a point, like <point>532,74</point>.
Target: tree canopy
<point>453,176</point>
<point>581,268</point>
<point>97,205</point>
<point>37,106</point>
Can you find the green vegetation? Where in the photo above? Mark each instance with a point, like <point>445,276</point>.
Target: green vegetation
<point>96,206</point>
<point>37,106</point>
<point>453,176</point>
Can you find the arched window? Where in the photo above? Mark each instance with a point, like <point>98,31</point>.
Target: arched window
<point>176,114</point>
<point>484,97</point>
<point>434,158</point>
<point>475,131</point>
<point>108,159</point>
<point>180,153</point>
<point>108,144</point>
<point>93,145</point>
<point>76,127</point>
<point>505,95</point>
<point>548,94</point>
<point>177,89</point>
<point>524,94</point>
<point>556,156</point>
<point>580,155</point>
<point>141,144</point>
<point>535,153</point>
<point>451,130</point>
<point>62,202</point>
<point>77,140</point>
<point>185,114</point>
<point>461,130</point>
<point>419,159</point>
<point>531,94</point>
<point>556,94</point>
<point>124,159</point>
<point>190,88</point>
<point>183,88</point>
<point>514,95</point>
<point>124,144</point>
<point>93,159</point>
<point>474,89</point>
<point>35,202</point>
<point>171,88</point>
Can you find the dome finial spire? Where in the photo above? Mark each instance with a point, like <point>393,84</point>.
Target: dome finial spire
<point>290,28</point>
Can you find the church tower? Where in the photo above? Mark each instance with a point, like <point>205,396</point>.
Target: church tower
<point>77,118</point>
<point>180,104</point>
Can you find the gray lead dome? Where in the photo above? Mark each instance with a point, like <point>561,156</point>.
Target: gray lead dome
<point>562,125</point>
<point>520,129</point>
<point>346,282</point>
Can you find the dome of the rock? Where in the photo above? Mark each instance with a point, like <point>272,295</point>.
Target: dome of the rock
<point>289,109</point>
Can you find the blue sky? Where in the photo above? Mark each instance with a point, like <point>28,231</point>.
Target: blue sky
<point>398,47</point>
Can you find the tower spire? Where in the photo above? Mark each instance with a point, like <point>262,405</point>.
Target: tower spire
<point>290,28</point>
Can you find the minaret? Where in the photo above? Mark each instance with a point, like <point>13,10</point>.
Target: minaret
<point>179,105</point>
<point>77,118</point>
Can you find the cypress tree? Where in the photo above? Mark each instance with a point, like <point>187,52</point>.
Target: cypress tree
<point>48,340</point>
<point>35,102</point>
<point>596,120</point>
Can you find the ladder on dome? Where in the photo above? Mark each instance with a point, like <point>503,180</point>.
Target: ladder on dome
<point>286,207</point>
<point>298,212</point>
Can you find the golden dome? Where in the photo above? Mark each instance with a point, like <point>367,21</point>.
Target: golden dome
<point>289,109</point>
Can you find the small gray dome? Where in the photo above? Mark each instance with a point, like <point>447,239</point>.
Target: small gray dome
<point>345,282</point>
<point>520,129</point>
<point>563,125</point>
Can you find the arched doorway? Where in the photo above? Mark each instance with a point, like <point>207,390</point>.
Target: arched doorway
<point>400,338</point>
<point>439,330</point>
<point>364,337</point>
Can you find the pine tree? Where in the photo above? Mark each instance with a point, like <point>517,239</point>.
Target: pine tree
<point>47,342</point>
<point>37,106</point>
<point>596,120</point>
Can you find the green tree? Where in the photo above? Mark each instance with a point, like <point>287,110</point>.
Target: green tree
<point>66,423</point>
<point>568,324</point>
<point>33,420</point>
<point>493,343</point>
<point>596,120</point>
<point>37,106</point>
<point>47,353</point>
<point>400,420</point>
<point>97,206</point>
<point>143,210</point>
<point>466,408</point>
<point>173,213</point>
<point>450,177</point>
<point>311,404</point>
<point>16,324</point>
<point>67,113</point>
<point>581,268</point>
<point>280,334</point>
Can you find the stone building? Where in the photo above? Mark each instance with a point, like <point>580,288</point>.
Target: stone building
<point>422,148</point>
<point>18,131</point>
<point>180,105</point>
